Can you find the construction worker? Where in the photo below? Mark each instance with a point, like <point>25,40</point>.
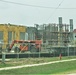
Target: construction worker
<point>17,46</point>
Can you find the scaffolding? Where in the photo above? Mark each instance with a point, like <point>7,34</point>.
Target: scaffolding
<point>56,34</point>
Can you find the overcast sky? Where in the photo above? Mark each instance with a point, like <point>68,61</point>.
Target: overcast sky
<point>30,15</point>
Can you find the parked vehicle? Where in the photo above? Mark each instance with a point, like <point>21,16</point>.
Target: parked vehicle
<point>25,45</point>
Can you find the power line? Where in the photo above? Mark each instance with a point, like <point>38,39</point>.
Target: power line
<point>60,4</point>
<point>35,5</point>
<point>55,10</point>
<point>26,4</point>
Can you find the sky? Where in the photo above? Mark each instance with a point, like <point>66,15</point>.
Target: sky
<point>30,12</point>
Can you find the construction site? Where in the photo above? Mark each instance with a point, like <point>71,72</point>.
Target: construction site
<point>56,34</point>
<point>41,40</point>
<point>57,37</point>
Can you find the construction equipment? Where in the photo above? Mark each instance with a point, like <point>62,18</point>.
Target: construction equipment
<point>25,45</point>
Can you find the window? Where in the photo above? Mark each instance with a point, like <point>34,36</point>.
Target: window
<point>1,36</point>
<point>22,35</point>
<point>9,36</point>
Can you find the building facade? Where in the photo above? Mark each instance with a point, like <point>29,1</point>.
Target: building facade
<point>10,32</point>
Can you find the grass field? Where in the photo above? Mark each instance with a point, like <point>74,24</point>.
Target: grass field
<point>24,61</point>
<point>56,68</point>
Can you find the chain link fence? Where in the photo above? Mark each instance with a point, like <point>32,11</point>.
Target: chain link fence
<point>43,52</point>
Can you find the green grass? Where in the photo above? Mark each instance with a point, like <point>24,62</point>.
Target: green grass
<point>24,61</point>
<point>56,68</point>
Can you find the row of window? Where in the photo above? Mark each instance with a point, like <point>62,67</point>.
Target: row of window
<point>12,35</point>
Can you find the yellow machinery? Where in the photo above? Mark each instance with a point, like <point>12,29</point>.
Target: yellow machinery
<point>14,29</point>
